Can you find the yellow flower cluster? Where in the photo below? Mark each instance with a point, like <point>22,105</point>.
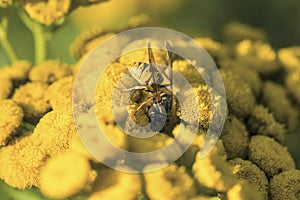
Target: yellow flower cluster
<point>249,161</point>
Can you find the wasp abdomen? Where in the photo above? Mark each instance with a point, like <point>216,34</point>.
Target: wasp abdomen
<point>158,117</point>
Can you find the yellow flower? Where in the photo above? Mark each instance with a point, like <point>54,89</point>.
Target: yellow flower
<point>59,94</point>
<point>275,97</point>
<point>31,97</point>
<point>49,71</point>
<point>212,171</point>
<point>235,32</point>
<point>21,162</point>
<point>171,182</point>
<point>11,117</point>
<point>289,57</point>
<point>18,72</point>
<point>292,84</point>
<point>87,41</point>
<point>47,12</point>
<point>243,191</point>
<point>269,155</point>
<point>55,130</point>
<point>250,76</point>
<point>112,184</point>
<point>186,69</point>
<point>240,99</point>
<point>262,122</point>
<point>235,138</point>
<point>258,56</point>
<point>64,175</point>
<point>6,88</point>
<point>246,170</point>
<point>285,185</point>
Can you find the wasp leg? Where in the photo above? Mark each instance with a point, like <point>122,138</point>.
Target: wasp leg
<point>144,103</point>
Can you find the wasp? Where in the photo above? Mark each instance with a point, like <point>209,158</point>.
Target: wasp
<point>157,88</point>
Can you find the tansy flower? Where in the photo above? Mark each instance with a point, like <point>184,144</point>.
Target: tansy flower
<point>275,97</point>
<point>59,94</point>
<point>236,31</point>
<point>55,130</point>
<point>171,182</point>
<point>11,117</point>
<point>292,83</point>
<point>289,57</point>
<point>64,175</point>
<point>269,155</point>
<point>21,162</point>
<point>235,138</point>
<point>240,99</point>
<point>243,191</point>
<point>49,71</point>
<point>251,77</point>
<point>262,122</point>
<point>47,12</point>
<point>285,185</point>
<point>31,97</point>
<point>257,56</point>
<point>112,184</point>
<point>246,170</point>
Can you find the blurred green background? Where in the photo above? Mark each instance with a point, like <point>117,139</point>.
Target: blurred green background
<point>193,17</point>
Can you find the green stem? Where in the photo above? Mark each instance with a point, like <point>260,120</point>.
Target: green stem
<point>38,34</point>
<point>4,40</point>
<point>39,43</point>
<point>27,126</point>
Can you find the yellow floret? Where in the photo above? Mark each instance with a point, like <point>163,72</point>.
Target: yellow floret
<point>21,162</point>
<point>212,171</point>
<point>289,57</point>
<point>262,122</point>
<point>64,175</point>
<point>269,155</point>
<point>209,105</point>
<point>16,72</point>
<point>11,117</point>
<point>77,146</point>
<point>5,3</point>
<point>235,32</point>
<point>49,71</point>
<point>47,12</point>
<point>292,84</point>
<point>275,97</point>
<point>243,191</point>
<point>87,41</point>
<point>257,56</point>
<point>214,48</point>
<point>5,88</point>
<point>240,99</point>
<point>246,170</point>
<point>31,97</point>
<point>171,182</point>
<point>138,20</point>
<point>106,85</point>
<point>250,76</point>
<point>112,184</point>
<point>55,130</point>
<point>186,69</point>
<point>235,138</point>
<point>286,185</point>
<point>59,94</point>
